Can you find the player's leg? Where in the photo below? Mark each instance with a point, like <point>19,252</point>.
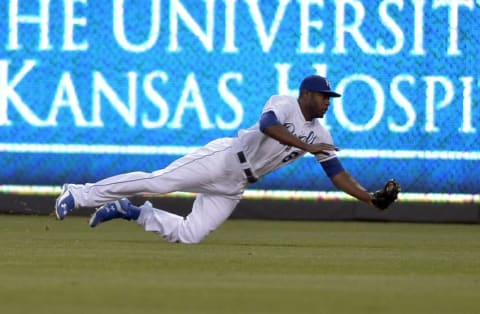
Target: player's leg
<point>208,213</point>
<point>199,172</point>
<point>122,208</point>
<point>104,191</point>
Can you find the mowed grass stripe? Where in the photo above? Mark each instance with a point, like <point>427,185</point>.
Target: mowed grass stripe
<point>47,266</point>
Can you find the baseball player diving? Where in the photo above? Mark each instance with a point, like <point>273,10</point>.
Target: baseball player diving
<point>220,171</point>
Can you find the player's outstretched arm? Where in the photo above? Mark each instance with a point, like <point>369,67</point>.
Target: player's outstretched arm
<point>380,199</point>
<point>345,182</point>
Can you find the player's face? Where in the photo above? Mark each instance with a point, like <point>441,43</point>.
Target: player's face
<point>317,105</point>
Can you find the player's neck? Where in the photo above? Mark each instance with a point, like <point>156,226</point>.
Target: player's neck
<point>305,112</point>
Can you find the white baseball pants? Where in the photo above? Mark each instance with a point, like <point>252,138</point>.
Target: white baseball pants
<point>213,172</point>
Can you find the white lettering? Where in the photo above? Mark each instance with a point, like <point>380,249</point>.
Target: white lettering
<point>453,8</point>
<point>403,103</point>
<point>8,93</point>
<point>354,29</point>
<point>390,23</point>
<point>267,38</point>
<point>431,104</point>
<point>379,103</point>
<point>102,88</point>
<point>231,100</point>
<point>283,70</point>
<point>467,106</point>
<point>156,100</point>
<point>15,19</point>
<point>306,23</point>
<point>230,46</point>
<point>283,79</point>
<point>119,27</point>
<point>191,91</point>
<point>66,88</point>
<point>70,22</point>
<point>178,11</point>
<point>418,6</point>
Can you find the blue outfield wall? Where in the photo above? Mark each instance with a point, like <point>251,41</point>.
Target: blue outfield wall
<point>90,89</point>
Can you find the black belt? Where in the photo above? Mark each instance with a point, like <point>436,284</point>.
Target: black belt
<point>248,172</point>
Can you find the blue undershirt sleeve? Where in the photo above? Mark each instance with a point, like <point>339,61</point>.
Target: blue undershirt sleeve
<point>268,119</point>
<point>332,167</point>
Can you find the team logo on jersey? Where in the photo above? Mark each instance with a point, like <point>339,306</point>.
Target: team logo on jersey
<point>310,138</point>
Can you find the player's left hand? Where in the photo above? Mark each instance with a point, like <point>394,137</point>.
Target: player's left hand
<point>384,197</point>
<point>322,148</point>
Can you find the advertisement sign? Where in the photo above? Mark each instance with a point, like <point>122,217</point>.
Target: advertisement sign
<point>90,89</point>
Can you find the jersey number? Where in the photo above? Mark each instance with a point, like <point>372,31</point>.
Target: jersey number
<point>291,156</point>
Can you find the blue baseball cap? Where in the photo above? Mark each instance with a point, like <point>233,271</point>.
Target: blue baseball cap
<point>317,83</point>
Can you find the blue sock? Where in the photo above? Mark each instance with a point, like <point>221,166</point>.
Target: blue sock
<point>133,212</point>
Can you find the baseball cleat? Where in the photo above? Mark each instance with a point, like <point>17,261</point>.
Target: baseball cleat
<point>118,209</point>
<point>64,203</point>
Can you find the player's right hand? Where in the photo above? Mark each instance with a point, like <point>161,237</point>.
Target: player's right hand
<point>322,148</point>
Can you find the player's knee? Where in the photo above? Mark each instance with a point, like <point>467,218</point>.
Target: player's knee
<point>191,238</point>
<point>191,234</point>
<point>188,241</point>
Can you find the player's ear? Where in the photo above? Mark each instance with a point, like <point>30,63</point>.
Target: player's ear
<point>302,95</point>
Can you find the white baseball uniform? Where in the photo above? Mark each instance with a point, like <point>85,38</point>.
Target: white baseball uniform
<point>219,172</point>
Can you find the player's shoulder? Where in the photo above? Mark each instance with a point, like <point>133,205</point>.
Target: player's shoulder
<point>282,101</point>
<point>318,123</point>
<point>287,99</point>
<point>322,131</point>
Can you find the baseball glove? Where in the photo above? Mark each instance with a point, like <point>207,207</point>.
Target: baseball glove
<point>384,197</point>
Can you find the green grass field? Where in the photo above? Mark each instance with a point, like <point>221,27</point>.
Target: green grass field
<point>47,266</point>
